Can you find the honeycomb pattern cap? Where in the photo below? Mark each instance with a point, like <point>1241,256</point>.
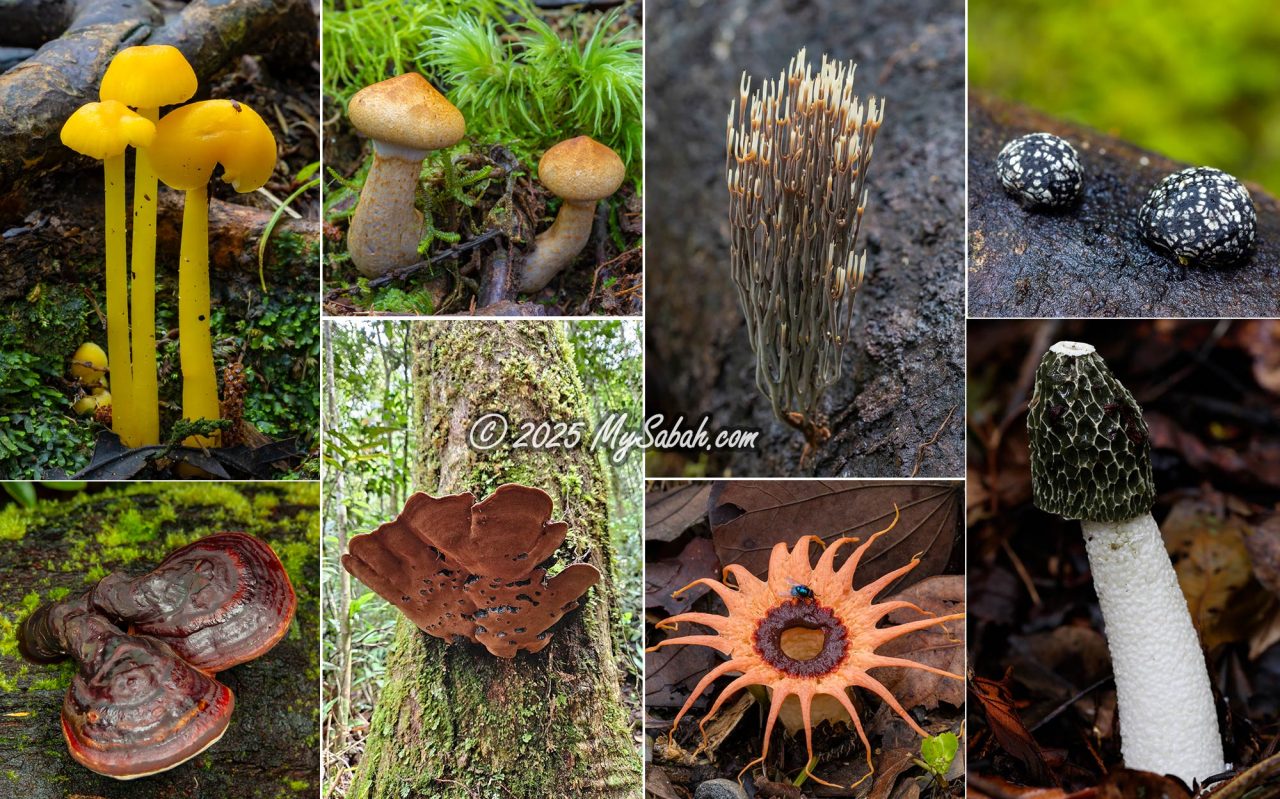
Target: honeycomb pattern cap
<point>1090,452</point>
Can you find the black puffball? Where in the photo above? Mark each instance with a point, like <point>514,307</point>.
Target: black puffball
<point>1041,171</point>
<point>1200,215</point>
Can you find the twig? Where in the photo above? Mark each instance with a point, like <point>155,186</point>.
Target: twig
<point>931,442</point>
<point>1022,572</point>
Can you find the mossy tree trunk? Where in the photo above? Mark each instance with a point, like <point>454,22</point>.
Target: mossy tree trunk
<point>453,721</point>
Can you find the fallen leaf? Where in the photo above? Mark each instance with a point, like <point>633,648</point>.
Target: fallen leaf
<point>1255,465</point>
<point>890,765</point>
<point>658,785</point>
<point>997,788</point>
<point>662,578</point>
<point>941,646</point>
<point>671,674</point>
<point>1123,783</point>
<point>669,511</point>
<point>1006,726</point>
<point>1261,338</point>
<point>749,516</point>
<point>725,721</point>
<point>1263,543</point>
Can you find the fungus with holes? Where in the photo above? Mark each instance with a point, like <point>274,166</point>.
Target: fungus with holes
<point>799,595</point>
<point>463,570</point>
<point>796,162</point>
<point>1091,460</point>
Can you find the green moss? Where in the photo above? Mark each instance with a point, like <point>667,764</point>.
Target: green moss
<point>13,523</point>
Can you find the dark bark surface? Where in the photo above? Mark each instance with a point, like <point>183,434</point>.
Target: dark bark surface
<point>453,721</point>
<point>904,368</point>
<point>269,751</point>
<point>1089,260</point>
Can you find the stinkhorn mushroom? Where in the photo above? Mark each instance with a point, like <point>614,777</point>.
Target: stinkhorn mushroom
<point>406,118</point>
<point>581,171</point>
<point>135,708</point>
<point>796,595</point>
<point>463,570</point>
<point>104,131</point>
<point>189,142</point>
<point>1091,460</point>
<point>146,78</point>
<point>221,601</point>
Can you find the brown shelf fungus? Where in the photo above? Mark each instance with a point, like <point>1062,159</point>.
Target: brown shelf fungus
<point>581,171</point>
<point>134,707</point>
<point>221,601</point>
<point>406,118</point>
<point>463,570</point>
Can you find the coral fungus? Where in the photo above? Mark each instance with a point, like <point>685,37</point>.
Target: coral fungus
<point>796,594</point>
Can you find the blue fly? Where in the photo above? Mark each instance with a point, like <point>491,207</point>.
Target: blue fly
<point>802,592</point>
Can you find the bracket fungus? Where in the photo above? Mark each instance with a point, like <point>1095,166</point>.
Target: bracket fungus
<point>103,131</point>
<point>581,171</point>
<point>221,601</point>
<point>146,77</point>
<point>796,164</point>
<point>190,142</point>
<point>797,595</point>
<point>467,570</point>
<point>1091,460</point>
<point>406,118</point>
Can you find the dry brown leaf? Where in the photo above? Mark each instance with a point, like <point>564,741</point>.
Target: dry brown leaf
<point>996,702</point>
<point>669,511</point>
<point>749,516</point>
<point>888,767</point>
<point>725,721</point>
<point>987,788</point>
<point>1263,543</point>
<point>672,672</point>
<point>941,646</point>
<point>1123,783</point>
<point>662,578</point>
<point>657,785</point>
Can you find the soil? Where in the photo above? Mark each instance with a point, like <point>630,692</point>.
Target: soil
<point>903,374</point>
<point>1089,260</point>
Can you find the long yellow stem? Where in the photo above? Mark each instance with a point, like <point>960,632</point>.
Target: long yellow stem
<point>199,380</point>
<point>119,365</point>
<point>143,272</point>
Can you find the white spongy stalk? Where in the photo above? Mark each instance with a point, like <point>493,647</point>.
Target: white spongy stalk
<point>1168,723</point>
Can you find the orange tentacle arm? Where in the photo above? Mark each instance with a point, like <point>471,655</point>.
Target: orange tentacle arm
<point>883,634</point>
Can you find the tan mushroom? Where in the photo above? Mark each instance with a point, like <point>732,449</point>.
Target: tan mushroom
<point>581,171</point>
<point>406,118</point>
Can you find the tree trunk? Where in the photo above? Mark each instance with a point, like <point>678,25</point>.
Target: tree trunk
<point>454,722</point>
<point>339,499</point>
<point>63,545</point>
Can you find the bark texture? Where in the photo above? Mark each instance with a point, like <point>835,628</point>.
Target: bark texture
<point>63,545</point>
<point>903,370</point>
<point>454,722</point>
<point>1089,260</point>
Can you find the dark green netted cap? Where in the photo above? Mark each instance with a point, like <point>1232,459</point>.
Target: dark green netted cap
<point>1090,453</point>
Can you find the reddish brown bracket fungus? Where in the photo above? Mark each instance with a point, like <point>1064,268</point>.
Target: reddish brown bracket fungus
<point>797,595</point>
<point>221,601</point>
<point>134,707</point>
<point>465,570</point>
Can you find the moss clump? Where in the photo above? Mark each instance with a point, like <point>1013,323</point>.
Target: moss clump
<point>13,523</point>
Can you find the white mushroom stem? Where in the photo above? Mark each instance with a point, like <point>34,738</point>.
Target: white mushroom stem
<point>386,227</point>
<point>558,245</point>
<point>1168,722</point>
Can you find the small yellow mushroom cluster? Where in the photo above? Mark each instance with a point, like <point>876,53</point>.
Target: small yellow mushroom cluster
<point>181,149</point>
<point>89,369</point>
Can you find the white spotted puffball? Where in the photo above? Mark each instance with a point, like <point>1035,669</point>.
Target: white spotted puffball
<point>1200,215</point>
<point>1040,170</point>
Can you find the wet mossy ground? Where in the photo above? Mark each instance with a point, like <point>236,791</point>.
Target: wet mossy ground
<point>60,547</point>
<point>276,337</point>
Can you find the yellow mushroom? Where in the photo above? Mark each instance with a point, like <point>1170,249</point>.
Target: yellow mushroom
<point>146,78</point>
<point>89,364</point>
<point>103,131</point>
<point>190,141</point>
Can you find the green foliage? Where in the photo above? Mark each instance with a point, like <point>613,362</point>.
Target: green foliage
<point>936,754</point>
<point>1199,82</point>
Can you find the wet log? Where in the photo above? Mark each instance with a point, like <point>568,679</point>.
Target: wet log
<point>1089,260</point>
<point>269,750</point>
<point>40,93</point>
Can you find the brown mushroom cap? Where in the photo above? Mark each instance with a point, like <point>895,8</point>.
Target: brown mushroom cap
<point>221,601</point>
<point>135,708</point>
<point>581,169</point>
<point>406,111</point>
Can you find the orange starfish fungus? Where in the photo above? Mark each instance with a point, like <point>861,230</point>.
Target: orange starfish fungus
<point>796,594</point>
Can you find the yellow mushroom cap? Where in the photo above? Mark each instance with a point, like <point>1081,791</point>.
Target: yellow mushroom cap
<point>406,111</point>
<point>105,129</point>
<point>581,169</point>
<point>89,364</point>
<point>192,139</point>
<point>149,76</point>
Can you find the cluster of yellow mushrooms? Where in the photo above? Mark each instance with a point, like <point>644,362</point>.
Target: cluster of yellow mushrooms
<point>181,149</point>
<point>407,118</point>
